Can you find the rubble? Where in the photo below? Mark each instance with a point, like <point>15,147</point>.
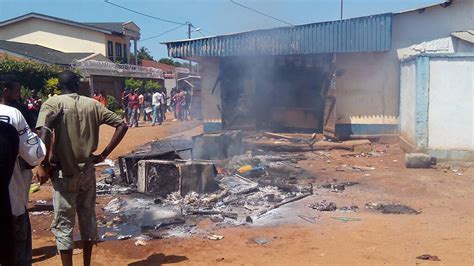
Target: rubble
<point>113,206</point>
<point>391,208</point>
<point>324,206</point>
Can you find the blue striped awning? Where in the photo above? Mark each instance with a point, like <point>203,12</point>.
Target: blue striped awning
<point>363,34</point>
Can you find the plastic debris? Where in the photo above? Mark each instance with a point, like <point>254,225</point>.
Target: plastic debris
<point>113,206</point>
<point>124,237</point>
<point>215,237</point>
<point>428,257</point>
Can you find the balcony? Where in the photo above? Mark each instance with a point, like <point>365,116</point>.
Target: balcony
<point>104,68</point>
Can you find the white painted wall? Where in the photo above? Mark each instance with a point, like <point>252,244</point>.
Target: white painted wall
<point>408,102</point>
<point>54,35</point>
<point>451,109</point>
<point>368,92</point>
<point>209,101</point>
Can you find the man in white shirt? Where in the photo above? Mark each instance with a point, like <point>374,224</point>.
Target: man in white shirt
<point>157,100</point>
<point>32,150</point>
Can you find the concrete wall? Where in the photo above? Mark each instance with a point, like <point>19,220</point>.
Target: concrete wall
<point>210,91</point>
<point>408,102</point>
<point>437,117</point>
<point>451,109</point>
<point>53,35</point>
<point>368,91</point>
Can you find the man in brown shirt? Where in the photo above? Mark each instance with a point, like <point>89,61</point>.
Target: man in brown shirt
<point>71,165</point>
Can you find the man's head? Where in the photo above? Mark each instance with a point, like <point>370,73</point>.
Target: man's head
<point>68,81</point>
<point>11,91</point>
<point>96,91</point>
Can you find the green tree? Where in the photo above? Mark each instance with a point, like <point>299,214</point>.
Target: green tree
<point>133,84</point>
<point>170,62</point>
<point>144,54</point>
<point>151,85</point>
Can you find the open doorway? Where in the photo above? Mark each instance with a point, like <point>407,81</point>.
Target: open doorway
<point>284,93</point>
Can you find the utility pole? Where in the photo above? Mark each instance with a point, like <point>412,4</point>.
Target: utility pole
<point>189,37</point>
<point>342,8</point>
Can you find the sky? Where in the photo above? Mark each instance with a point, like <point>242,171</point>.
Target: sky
<point>212,16</point>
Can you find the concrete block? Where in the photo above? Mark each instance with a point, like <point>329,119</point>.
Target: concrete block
<point>214,146</point>
<point>159,177</point>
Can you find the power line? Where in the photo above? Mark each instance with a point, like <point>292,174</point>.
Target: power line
<point>143,14</point>
<point>261,13</point>
<point>163,33</point>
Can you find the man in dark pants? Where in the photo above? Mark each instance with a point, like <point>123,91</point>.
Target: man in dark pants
<point>72,163</point>
<point>32,150</point>
<point>9,142</point>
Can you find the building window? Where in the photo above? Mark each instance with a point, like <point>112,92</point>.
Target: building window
<point>110,49</point>
<point>125,52</point>
<point>118,50</point>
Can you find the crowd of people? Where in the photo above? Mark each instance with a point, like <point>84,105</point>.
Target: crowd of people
<point>49,136</point>
<point>152,106</point>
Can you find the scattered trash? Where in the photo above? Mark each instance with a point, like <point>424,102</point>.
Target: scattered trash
<point>428,257</point>
<point>310,219</point>
<point>140,243</point>
<point>339,187</point>
<point>391,208</point>
<point>324,206</point>
<point>113,206</point>
<point>106,162</point>
<point>215,237</point>
<point>419,160</point>
<point>108,234</point>
<point>124,237</point>
<point>352,208</point>
<point>346,219</point>
<point>395,161</point>
<point>248,219</point>
<point>260,241</point>
<point>41,202</point>
<point>34,188</point>
<point>36,213</point>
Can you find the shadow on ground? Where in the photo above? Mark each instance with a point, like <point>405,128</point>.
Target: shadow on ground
<point>43,253</point>
<point>159,259</point>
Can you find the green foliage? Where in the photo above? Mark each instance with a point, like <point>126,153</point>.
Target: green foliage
<point>52,83</point>
<point>170,62</point>
<point>144,53</point>
<point>133,83</point>
<point>151,86</point>
<point>31,75</point>
<point>112,104</point>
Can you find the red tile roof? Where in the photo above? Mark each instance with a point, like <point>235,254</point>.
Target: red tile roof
<point>150,63</point>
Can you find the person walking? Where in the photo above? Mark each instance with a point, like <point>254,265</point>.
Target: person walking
<point>157,99</point>
<point>71,165</point>
<point>141,106</point>
<point>133,104</point>
<point>125,96</point>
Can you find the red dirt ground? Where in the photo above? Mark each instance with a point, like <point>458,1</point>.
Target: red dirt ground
<point>444,228</point>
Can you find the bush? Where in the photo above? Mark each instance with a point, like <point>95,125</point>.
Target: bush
<point>133,84</point>
<point>31,75</point>
<point>112,104</point>
<point>151,85</point>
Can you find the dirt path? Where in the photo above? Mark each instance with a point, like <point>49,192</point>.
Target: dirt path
<point>444,227</point>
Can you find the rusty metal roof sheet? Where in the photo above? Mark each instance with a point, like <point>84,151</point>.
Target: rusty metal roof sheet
<point>362,34</point>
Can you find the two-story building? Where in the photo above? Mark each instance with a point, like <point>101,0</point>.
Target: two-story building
<point>101,51</point>
<point>111,39</point>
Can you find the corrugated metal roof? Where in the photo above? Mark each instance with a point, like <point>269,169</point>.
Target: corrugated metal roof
<point>363,34</point>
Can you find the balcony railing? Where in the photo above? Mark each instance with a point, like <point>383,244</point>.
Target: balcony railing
<point>93,67</point>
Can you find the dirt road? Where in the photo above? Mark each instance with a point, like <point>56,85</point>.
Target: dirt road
<point>443,228</point>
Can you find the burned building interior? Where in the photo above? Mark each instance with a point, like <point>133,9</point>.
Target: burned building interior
<point>284,93</point>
